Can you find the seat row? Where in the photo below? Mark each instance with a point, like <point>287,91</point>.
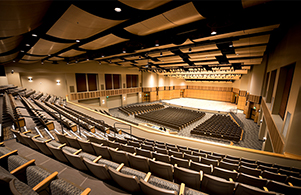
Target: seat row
<point>21,176</point>
<point>139,109</point>
<point>28,93</point>
<point>239,122</point>
<point>175,172</point>
<point>37,95</point>
<point>219,126</point>
<point>175,118</point>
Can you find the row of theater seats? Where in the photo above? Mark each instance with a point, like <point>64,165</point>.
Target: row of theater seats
<point>16,91</point>
<point>20,176</point>
<point>130,179</point>
<point>175,118</point>
<point>28,93</point>
<point>160,162</point>
<point>139,109</point>
<point>219,126</point>
<point>37,95</point>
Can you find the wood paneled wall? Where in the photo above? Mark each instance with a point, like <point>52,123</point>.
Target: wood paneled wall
<point>97,94</point>
<point>225,96</point>
<point>241,103</point>
<point>277,141</point>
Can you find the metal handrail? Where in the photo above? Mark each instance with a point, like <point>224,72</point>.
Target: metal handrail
<point>130,127</point>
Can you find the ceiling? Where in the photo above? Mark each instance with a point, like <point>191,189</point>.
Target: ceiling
<point>170,37</point>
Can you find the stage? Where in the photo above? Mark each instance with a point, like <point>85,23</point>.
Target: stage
<point>204,105</point>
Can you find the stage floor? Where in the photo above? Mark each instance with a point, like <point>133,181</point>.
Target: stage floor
<point>203,104</point>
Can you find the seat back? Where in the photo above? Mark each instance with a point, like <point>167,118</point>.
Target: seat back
<point>161,157</point>
<point>249,171</point>
<point>208,161</point>
<point>147,147</point>
<point>180,162</point>
<point>175,154</point>
<point>150,189</point>
<point>251,180</point>
<point>161,150</point>
<point>98,169</point>
<point>216,185</point>
<point>75,160</point>
<point>224,173</point>
<point>86,146</point>
<point>62,139</point>
<point>161,169</point>
<point>127,182</point>
<point>191,178</point>
<point>229,166</point>
<point>119,156</point>
<point>192,157</point>
<point>57,152</point>
<point>246,189</point>
<point>130,149</point>
<point>270,169</point>
<point>101,151</point>
<point>42,146</point>
<point>29,141</point>
<point>296,181</point>
<point>145,153</point>
<point>139,162</point>
<point>17,133</point>
<point>282,188</point>
<point>273,176</point>
<point>73,142</point>
<point>201,167</point>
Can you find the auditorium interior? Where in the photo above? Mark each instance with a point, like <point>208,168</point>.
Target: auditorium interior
<point>150,97</point>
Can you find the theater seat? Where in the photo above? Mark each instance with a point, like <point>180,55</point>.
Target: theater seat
<point>101,150</point>
<point>161,157</point>
<point>179,162</point>
<point>249,171</point>
<point>224,173</point>
<point>161,169</point>
<point>57,152</point>
<point>98,169</point>
<point>119,156</point>
<point>75,160</point>
<point>207,169</point>
<point>217,186</point>
<point>150,189</point>
<point>127,182</point>
<point>251,180</point>
<point>145,153</point>
<point>283,188</point>
<point>42,146</point>
<point>191,178</point>
<point>273,176</point>
<point>86,146</point>
<point>250,190</point>
<point>139,162</point>
<point>73,142</point>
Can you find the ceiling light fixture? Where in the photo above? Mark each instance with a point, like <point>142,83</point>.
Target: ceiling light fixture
<point>189,50</point>
<point>161,54</point>
<point>27,45</point>
<point>77,41</point>
<point>22,51</point>
<point>213,32</point>
<point>30,79</point>
<point>42,62</point>
<point>117,9</point>
<point>230,45</point>
<point>34,35</point>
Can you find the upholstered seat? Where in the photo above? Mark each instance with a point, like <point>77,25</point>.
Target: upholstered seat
<point>251,180</point>
<point>201,167</point>
<point>161,169</point>
<point>180,162</point>
<point>73,142</point>
<point>161,157</point>
<point>29,141</point>
<point>139,162</point>
<point>86,146</point>
<point>98,169</point>
<point>224,173</point>
<point>247,189</point>
<point>42,146</point>
<point>75,160</point>
<point>216,185</point>
<point>57,152</point>
<point>191,178</point>
<point>119,156</point>
<point>101,151</point>
<point>150,189</point>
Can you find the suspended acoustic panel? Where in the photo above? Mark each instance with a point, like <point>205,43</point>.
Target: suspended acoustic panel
<point>134,57</point>
<point>28,61</point>
<point>202,58</point>
<point>251,3</point>
<point>199,48</point>
<point>159,54</point>
<point>8,57</point>
<point>102,42</point>
<point>178,16</point>
<point>45,47</point>
<point>55,59</point>
<point>247,61</point>
<point>76,23</point>
<point>125,64</point>
<point>71,53</point>
<point>206,54</point>
<point>28,57</point>
<point>248,50</point>
<point>229,56</point>
<point>206,63</point>
<point>262,39</point>
<point>171,58</point>
<point>112,56</point>
<point>145,4</point>
<point>19,17</point>
<point>10,43</point>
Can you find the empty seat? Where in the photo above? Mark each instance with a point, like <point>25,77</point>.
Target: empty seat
<point>75,160</point>
<point>179,162</point>
<point>127,182</point>
<point>150,189</point>
<point>73,142</point>
<point>182,147</point>
<point>207,169</point>
<point>295,181</point>
<point>172,148</point>
<point>160,146</point>
<point>98,169</point>
<point>192,157</point>
<point>229,166</point>
<point>97,140</point>
<point>283,188</point>
<point>233,157</point>
<point>229,160</point>
<point>248,160</point>
<point>161,169</point>
<point>191,178</point>
<point>250,190</point>
<point>161,157</point>
<point>57,152</point>
<point>251,180</point>
<point>160,150</point>
<point>42,146</point>
<point>62,139</point>
<point>214,157</point>
<point>114,144</point>
<point>281,167</point>
<point>205,151</point>
<point>175,154</point>
<point>218,154</point>
<point>216,185</point>
<point>193,149</point>
<point>86,146</point>
<point>273,176</point>
<point>29,141</point>
<point>208,161</point>
<point>270,169</point>
<point>147,147</point>
<point>145,153</point>
<point>130,149</point>
<point>250,171</point>
<point>224,173</point>
<point>199,154</point>
<point>133,143</point>
<point>288,173</point>
<point>267,164</point>
<point>122,141</point>
<point>250,165</point>
<point>19,138</point>
<point>119,156</point>
<point>139,162</point>
<point>101,151</point>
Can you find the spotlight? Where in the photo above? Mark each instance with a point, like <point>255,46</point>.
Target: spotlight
<point>77,41</point>
<point>22,51</point>
<point>213,32</point>
<point>27,45</point>
<point>161,54</point>
<point>42,62</point>
<point>189,49</point>
<point>99,62</point>
<point>30,79</point>
<point>12,71</point>
<point>34,35</point>
<point>117,9</point>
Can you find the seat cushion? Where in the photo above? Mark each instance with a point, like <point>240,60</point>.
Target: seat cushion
<point>61,187</point>
<point>19,188</point>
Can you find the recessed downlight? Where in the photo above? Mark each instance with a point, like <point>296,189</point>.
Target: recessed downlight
<point>77,41</point>
<point>117,9</point>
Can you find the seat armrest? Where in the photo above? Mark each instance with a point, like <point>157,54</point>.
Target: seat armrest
<point>97,159</point>
<point>62,145</point>
<point>78,151</point>
<point>147,176</point>
<point>182,188</point>
<point>86,191</point>
<point>45,182</point>
<point>22,167</point>
<point>120,167</point>
<point>8,154</point>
